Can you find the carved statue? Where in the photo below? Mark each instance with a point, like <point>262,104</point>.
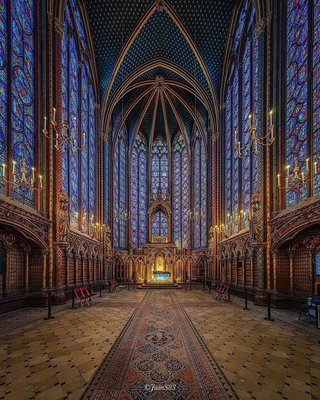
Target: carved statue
<point>64,217</point>
<point>255,220</point>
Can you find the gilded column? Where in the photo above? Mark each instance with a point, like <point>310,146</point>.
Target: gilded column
<point>291,257</point>
<point>57,184</point>
<point>26,276</point>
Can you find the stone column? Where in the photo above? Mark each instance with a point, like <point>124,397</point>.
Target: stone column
<point>291,272</point>
<point>44,270</point>
<point>26,272</point>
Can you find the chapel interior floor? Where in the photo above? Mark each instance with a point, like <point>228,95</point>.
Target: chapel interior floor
<point>49,360</point>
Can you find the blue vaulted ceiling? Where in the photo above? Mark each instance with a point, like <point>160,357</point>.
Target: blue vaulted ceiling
<point>163,38</point>
<point>113,21</point>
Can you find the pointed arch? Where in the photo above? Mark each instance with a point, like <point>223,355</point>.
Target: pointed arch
<point>180,191</point>
<point>160,169</point>
<point>138,192</point>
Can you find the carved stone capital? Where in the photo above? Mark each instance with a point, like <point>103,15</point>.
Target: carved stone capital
<point>58,26</point>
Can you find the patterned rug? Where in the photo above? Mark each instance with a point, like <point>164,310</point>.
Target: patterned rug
<point>159,355</point>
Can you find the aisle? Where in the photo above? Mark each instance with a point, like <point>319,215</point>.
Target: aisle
<point>159,355</point>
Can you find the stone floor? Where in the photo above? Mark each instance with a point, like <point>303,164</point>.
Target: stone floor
<point>55,359</point>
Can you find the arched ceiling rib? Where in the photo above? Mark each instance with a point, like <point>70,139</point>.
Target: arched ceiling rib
<point>180,42</point>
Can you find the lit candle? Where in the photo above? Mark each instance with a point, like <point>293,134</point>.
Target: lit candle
<point>84,138</point>
<point>54,115</point>
<point>239,149</point>
<point>307,164</point>
<point>278,180</point>
<point>271,119</point>
<point>40,181</point>
<point>315,168</point>
<point>288,170</point>
<point>3,169</point>
<point>13,167</point>
<point>45,124</point>
<point>287,182</point>
<point>302,177</point>
<point>236,136</point>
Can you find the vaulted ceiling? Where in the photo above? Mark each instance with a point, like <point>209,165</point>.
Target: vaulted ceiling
<point>159,62</point>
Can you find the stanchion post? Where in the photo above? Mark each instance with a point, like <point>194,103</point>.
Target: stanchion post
<point>100,288</point>
<point>229,293</point>
<point>49,301</point>
<point>246,300</point>
<point>109,286</point>
<point>269,307</point>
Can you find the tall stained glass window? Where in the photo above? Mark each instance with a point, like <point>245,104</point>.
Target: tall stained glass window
<point>160,224</point>
<point>160,168</point>
<point>120,213</point>
<point>138,192</point>
<point>199,193</point>
<point>78,111</point>
<point>302,56</point>
<point>17,55</point>
<point>181,192</point>
<point>241,104</point>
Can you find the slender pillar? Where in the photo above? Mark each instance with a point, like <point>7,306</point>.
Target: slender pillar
<point>26,271</point>
<point>44,270</point>
<point>291,257</point>
<point>274,269</point>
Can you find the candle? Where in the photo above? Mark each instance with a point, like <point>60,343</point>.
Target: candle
<point>315,168</point>
<point>3,170</point>
<point>307,164</point>
<point>54,115</point>
<point>84,139</point>
<point>287,182</point>
<point>40,181</point>
<point>239,149</point>
<point>288,170</point>
<point>236,136</point>
<point>13,167</point>
<point>278,180</point>
<point>271,120</point>
<point>302,177</point>
<point>45,124</point>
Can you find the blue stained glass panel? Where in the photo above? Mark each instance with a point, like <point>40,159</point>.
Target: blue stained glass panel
<point>181,192</point>
<point>138,192</point>
<point>235,159</point>
<point>246,125</point>
<point>22,90</point>
<point>159,224</point>
<point>3,86</point>
<point>296,93</point>
<point>228,152</point>
<point>316,92</point>
<point>160,168</point>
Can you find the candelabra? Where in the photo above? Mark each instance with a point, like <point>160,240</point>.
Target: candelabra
<point>266,140</point>
<point>196,215</point>
<point>64,139</point>
<point>297,176</point>
<point>25,180</point>
<point>234,222</point>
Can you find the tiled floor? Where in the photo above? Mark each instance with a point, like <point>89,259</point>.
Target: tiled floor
<point>263,360</point>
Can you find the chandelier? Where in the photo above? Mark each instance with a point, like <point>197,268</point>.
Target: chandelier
<point>67,138</point>
<point>297,176</point>
<point>266,140</point>
<point>25,179</point>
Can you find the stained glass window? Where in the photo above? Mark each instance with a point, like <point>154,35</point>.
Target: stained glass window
<point>199,193</point>
<point>160,168</point>
<point>296,92</point>
<point>78,111</point>
<point>181,192</point>
<point>159,224</point>
<point>228,153</point>
<point>300,97</point>
<point>17,48</point>
<point>138,192</point>
<point>246,125</point>
<point>241,102</point>
<point>106,199</point>
<point>3,85</point>
<point>120,213</point>
<point>316,91</point>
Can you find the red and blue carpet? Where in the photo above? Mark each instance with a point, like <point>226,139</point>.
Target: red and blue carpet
<point>159,355</point>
